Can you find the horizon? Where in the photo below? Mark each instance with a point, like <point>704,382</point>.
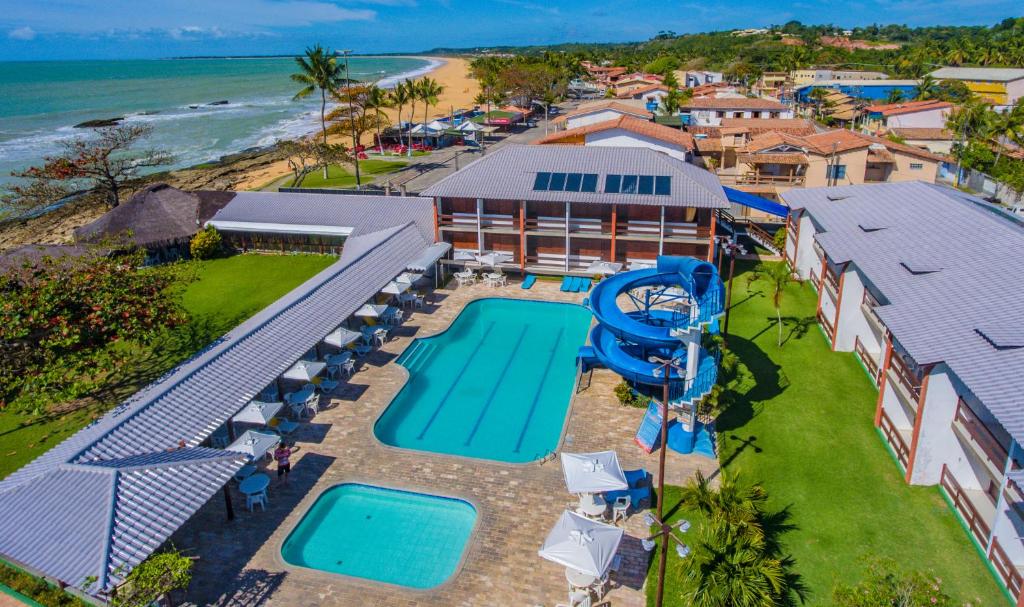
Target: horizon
<point>190,29</point>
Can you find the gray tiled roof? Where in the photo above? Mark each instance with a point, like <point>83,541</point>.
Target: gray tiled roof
<point>363,213</point>
<point>197,397</point>
<point>943,315</point>
<point>100,520</point>
<point>509,173</point>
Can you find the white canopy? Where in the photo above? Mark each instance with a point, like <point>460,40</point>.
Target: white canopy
<point>371,310</point>
<point>396,287</point>
<point>428,257</point>
<point>408,277</point>
<point>341,337</point>
<point>437,125</point>
<point>582,544</point>
<point>494,258</point>
<point>258,412</point>
<point>304,370</point>
<point>463,255</point>
<point>469,126</point>
<point>254,444</point>
<point>642,265</point>
<point>593,472</point>
<point>604,267</point>
<point>420,129</point>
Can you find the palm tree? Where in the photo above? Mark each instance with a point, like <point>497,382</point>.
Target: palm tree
<point>778,276</point>
<point>740,507</point>
<point>926,89</point>
<point>399,97</point>
<point>1006,126</point>
<point>895,96</point>
<point>429,92</point>
<point>376,100</point>
<point>412,88</point>
<point>319,69</point>
<point>818,95</point>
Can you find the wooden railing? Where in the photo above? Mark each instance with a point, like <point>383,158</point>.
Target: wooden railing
<point>892,435</point>
<point>760,179</point>
<point>814,279</point>
<point>868,305</point>
<point>762,236</point>
<point>980,434</point>
<point>826,324</point>
<point>1007,571</point>
<point>831,281</point>
<point>866,358</point>
<point>963,505</point>
<point>461,220</point>
<point>905,376</point>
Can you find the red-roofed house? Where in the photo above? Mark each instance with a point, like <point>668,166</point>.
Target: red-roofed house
<point>647,94</point>
<point>626,131</point>
<point>600,111</point>
<point>930,114</point>
<point>709,111</point>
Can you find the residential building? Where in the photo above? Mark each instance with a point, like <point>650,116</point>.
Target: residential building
<point>774,163</point>
<point>601,111</point>
<point>628,132</point>
<point>870,90</point>
<point>652,93</point>
<point>558,208</point>
<point>694,78</point>
<point>709,111</point>
<point>771,84</point>
<point>1001,86</point>
<point>916,280</point>
<point>629,82</point>
<point>935,140</point>
<point>930,114</point>
<point>811,76</point>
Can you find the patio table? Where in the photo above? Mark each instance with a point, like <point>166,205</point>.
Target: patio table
<point>257,483</point>
<point>578,579</point>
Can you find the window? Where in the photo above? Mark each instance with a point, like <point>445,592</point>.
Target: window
<point>836,171</point>
<point>589,183</point>
<point>557,182</point>
<point>916,166</point>
<point>541,182</point>
<point>628,184</point>
<point>646,184</point>
<point>612,184</point>
<point>572,182</point>
<point>662,185</point>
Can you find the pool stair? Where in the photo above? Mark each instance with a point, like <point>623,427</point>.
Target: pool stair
<point>415,355</point>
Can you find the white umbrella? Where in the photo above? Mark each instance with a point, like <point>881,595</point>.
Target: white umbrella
<point>304,370</point>
<point>642,265</point>
<point>604,267</point>
<point>258,412</point>
<point>341,337</point>
<point>396,287</point>
<point>493,258</point>
<point>462,255</point>
<point>437,125</point>
<point>408,277</point>
<point>593,472</point>
<point>582,544</point>
<point>254,444</point>
<point>371,311</point>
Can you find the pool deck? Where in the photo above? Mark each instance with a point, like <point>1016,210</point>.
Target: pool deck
<point>240,562</point>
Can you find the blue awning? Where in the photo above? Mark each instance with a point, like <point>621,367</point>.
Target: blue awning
<point>756,202</point>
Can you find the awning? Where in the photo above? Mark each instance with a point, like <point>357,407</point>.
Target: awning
<point>280,228</point>
<point>428,257</point>
<point>756,202</point>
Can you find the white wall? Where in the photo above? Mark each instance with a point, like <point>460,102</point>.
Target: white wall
<point>937,443</point>
<point>605,115</point>
<point>806,258</point>
<point>930,119</point>
<point>1014,90</point>
<point>852,322</point>
<point>1008,529</point>
<point>629,139</point>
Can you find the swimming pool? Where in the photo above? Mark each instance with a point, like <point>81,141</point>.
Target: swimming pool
<point>398,537</point>
<point>496,385</point>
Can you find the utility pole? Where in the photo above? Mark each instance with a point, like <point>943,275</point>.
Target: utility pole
<point>666,370</point>
<point>732,249</point>
<point>351,116</point>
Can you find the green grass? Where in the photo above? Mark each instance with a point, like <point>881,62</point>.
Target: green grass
<point>803,428</point>
<point>339,177</point>
<point>217,294</point>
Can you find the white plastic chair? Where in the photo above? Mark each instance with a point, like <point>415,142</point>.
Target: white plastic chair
<point>620,508</point>
<point>348,367</point>
<point>256,498</point>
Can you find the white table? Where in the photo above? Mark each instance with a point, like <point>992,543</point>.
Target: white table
<point>339,359</point>
<point>257,483</point>
<point>578,579</point>
<point>593,507</point>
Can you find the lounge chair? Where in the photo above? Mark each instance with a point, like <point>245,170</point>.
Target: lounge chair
<point>636,478</point>
<point>585,285</point>
<point>566,283</point>
<point>638,496</point>
<point>528,281</point>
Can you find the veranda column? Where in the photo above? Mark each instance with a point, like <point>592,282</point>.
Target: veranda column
<point>661,233</point>
<point>479,225</point>
<point>567,215</point>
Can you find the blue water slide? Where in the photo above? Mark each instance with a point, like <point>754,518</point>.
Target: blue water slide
<point>654,327</point>
<point>629,360</point>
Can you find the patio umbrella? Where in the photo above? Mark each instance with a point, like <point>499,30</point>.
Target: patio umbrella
<point>396,287</point>
<point>371,311</point>
<point>409,277</point>
<point>604,267</point>
<point>258,412</point>
<point>462,255</point>
<point>582,544</point>
<point>304,370</point>
<point>341,337</point>
<point>493,258</point>
<point>254,444</point>
<point>593,472</point>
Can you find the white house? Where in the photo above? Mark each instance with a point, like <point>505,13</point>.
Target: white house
<point>601,111</point>
<point>709,111</point>
<point>627,132</point>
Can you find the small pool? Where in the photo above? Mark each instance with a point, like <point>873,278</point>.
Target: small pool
<point>398,537</point>
<point>496,385</point>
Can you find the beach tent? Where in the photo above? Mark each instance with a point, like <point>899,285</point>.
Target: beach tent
<point>494,258</point>
<point>253,444</point>
<point>593,472</point>
<point>582,544</point>
<point>437,125</point>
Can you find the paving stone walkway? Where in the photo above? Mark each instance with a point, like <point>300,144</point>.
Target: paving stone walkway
<point>240,562</point>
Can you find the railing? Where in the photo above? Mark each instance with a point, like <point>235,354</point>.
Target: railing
<point>546,224</point>
<point>1007,571</point>
<point>760,179</point>
<point>892,435</point>
<point>868,305</point>
<point>831,281</point>
<point>830,329</point>
<point>459,220</point>
<point>699,385</point>
<point>980,434</point>
<point>905,376</point>
<point>963,505</point>
<point>762,237</point>
<point>866,358</point>
<point>814,279</point>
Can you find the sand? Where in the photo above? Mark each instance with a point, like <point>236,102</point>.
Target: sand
<point>459,90</point>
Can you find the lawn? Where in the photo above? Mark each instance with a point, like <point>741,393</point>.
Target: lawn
<point>339,177</point>
<point>803,429</point>
<point>217,295</point>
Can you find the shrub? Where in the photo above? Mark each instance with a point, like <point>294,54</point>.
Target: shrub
<point>779,239</point>
<point>205,244</point>
<point>629,397</point>
<point>886,584</point>
<point>37,589</point>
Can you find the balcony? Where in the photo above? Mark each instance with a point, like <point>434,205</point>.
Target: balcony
<point>760,179</point>
<point>975,506</point>
<point>869,359</point>
<point>898,439</point>
<point>831,282</point>
<point>906,382</point>
<point>867,306</point>
<point>457,222</point>
<point>828,326</point>
<point>974,432</point>
<point>546,225</point>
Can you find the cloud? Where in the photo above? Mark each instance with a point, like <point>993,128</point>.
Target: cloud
<point>22,33</point>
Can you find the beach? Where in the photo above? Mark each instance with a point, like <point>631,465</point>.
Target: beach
<point>459,90</point>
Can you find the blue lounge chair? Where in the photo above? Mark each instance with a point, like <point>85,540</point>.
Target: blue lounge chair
<point>636,478</point>
<point>566,282</point>
<point>528,281</point>
<point>585,285</point>
<point>636,496</point>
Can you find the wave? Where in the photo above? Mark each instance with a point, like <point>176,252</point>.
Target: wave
<point>389,82</point>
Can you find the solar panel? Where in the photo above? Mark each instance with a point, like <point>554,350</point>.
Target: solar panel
<point>612,184</point>
<point>663,185</point>
<point>646,184</point>
<point>557,182</point>
<point>628,184</point>
<point>589,183</point>
<point>540,183</point>
<point>572,182</point>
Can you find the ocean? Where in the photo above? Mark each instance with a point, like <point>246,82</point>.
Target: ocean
<point>40,102</point>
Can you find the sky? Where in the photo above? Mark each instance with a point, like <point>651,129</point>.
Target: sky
<point>124,29</point>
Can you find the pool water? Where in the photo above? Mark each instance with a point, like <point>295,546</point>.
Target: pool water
<point>496,385</point>
<point>398,537</point>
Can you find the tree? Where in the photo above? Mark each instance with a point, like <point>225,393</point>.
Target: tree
<point>377,99</point>
<point>205,244</point>
<point>738,507</point>
<point>887,584</point>
<point>413,89</point>
<point>429,92</point>
<point>309,154</point>
<point>1006,127</point>
<point>318,70</point>
<point>400,96</point>
<point>778,276</point>
<point>818,95</point>
<point>894,96</point>
<point>927,89</point>
<point>155,577</point>
<point>105,164</point>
